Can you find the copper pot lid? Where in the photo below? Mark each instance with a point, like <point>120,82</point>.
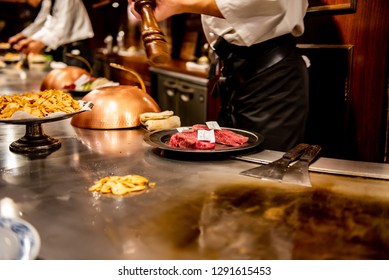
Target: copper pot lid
<point>59,78</point>
<point>115,107</point>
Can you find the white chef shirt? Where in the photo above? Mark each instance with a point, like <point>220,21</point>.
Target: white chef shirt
<point>70,22</point>
<point>248,22</point>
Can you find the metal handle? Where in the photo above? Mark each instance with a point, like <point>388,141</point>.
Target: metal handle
<point>310,153</point>
<point>295,152</point>
<point>139,78</point>
<point>83,60</point>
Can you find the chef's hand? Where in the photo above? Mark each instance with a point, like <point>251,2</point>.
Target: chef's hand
<point>163,9</point>
<point>16,38</point>
<point>167,8</point>
<point>29,45</point>
<point>35,47</point>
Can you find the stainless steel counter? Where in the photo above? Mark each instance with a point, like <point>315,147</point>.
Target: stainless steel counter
<point>199,208</point>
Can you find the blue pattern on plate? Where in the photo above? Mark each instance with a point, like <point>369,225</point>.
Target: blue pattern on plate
<point>29,239</point>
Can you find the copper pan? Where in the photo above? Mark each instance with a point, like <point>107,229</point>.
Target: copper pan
<point>115,107</point>
<point>59,78</point>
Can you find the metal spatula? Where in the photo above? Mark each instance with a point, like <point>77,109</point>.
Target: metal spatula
<point>298,173</point>
<point>276,169</point>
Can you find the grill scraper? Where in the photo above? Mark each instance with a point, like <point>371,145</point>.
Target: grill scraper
<point>276,169</point>
<point>298,173</point>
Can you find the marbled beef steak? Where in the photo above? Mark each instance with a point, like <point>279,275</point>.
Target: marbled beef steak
<point>188,139</point>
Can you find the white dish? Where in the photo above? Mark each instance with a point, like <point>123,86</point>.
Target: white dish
<point>19,240</point>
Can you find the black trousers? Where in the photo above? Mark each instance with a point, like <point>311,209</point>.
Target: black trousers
<point>265,89</point>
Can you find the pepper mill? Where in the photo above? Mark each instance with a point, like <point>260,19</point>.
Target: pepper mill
<point>153,38</point>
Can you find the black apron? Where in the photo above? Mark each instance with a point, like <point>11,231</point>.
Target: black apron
<point>264,89</point>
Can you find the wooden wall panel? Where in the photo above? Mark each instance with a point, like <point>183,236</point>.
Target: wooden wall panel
<point>367,30</point>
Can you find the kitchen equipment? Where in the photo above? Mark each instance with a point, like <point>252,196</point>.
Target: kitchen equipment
<point>276,169</point>
<point>59,78</point>
<point>185,95</point>
<point>121,67</point>
<point>364,169</point>
<point>154,40</point>
<point>298,173</point>
<point>115,107</point>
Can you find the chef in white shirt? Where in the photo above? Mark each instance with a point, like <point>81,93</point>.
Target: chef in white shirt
<point>264,84</point>
<point>60,27</point>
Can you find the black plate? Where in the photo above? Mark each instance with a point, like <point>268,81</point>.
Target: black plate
<point>160,139</point>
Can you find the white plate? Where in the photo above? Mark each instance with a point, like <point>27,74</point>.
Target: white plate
<point>19,240</point>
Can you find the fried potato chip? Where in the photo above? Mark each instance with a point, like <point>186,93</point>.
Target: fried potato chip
<point>39,104</point>
<point>121,185</point>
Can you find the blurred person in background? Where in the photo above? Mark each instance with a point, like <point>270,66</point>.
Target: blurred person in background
<point>264,83</point>
<point>61,27</point>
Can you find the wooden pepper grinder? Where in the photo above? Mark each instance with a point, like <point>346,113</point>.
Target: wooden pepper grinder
<point>153,38</point>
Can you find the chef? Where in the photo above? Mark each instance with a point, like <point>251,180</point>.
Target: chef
<point>264,84</point>
<point>60,27</point>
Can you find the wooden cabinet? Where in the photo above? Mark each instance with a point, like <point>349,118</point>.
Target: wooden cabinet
<point>185,94</point>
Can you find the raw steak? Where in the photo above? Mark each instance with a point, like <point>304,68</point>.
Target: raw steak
<point>230,138</point>
<point>196,127</point>
<point>188,140</point>
<point>224,136</point>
